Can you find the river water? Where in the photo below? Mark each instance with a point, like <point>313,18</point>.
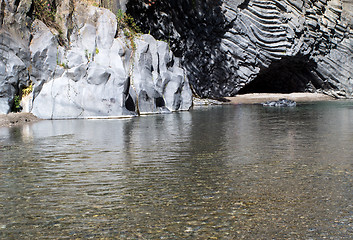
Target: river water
<point>222,172</point>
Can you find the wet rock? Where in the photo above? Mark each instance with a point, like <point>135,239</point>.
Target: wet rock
<point>280,103</point>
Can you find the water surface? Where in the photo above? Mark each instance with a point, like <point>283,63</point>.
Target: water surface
<point>224,172</point>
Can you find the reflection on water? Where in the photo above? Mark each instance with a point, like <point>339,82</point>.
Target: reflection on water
<point>225,172</point>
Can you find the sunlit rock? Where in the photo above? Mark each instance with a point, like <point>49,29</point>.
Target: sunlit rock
<point>99,75</point>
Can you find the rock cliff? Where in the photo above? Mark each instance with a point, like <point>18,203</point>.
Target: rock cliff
<point>241,46</point>
<point>83,65</point>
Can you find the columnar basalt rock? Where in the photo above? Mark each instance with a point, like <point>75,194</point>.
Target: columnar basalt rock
<point>230,46</point>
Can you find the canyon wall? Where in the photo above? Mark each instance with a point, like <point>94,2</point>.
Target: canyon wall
<point>78,62</point>
<point>231,46</point>
<point>83,65</point>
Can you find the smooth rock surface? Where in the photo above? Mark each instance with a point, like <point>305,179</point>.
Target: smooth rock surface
<point>99,75</point>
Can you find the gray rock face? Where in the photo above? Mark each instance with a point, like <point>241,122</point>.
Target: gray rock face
<point>14,51</point>
<point>231,46</point>
<point>99,75</point>
<point>93,73</point>
<point>15,19</point>
<point>13,70</point>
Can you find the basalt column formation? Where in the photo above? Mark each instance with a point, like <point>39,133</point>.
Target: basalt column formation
<point>230,47</point>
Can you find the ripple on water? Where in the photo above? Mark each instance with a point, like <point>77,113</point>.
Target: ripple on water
<point>224,172</point>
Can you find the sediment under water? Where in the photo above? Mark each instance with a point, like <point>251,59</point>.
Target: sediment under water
<point>223,172</point>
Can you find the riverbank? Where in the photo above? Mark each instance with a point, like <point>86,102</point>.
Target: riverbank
<point>14,119</point>
<point>254,98</point>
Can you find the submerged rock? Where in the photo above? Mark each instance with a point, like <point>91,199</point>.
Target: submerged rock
<point>280,103</point>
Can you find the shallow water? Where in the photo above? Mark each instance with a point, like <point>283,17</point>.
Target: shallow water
<point>224,172</point>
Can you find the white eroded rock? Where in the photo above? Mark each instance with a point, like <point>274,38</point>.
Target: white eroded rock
<point>99,75</point>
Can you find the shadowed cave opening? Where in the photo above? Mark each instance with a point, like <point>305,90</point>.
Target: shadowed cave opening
<point>160,102</point>
<point>288,75</point>
<point>129,104</point>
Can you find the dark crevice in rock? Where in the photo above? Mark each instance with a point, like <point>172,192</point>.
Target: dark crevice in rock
<point>244,4</point>
<point>16,3</point>
<point>70,26</point>
<point>129,104</point>
<point>2,12</point>
<point>30,38</point>
<point>288,75</point>
<point>170,63</point>
<point>30,12</point>
<point>160,102</point>
<point>128,101</point>
<point>54,6</point>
